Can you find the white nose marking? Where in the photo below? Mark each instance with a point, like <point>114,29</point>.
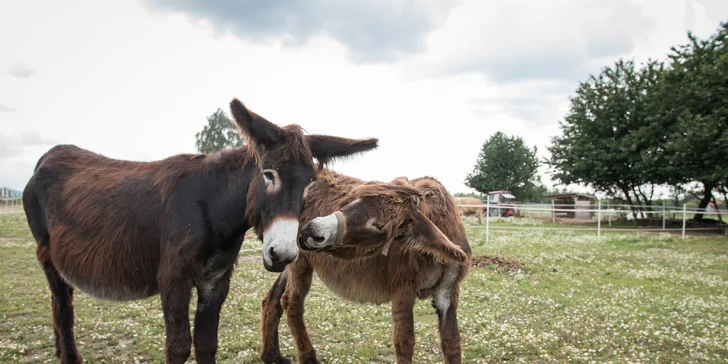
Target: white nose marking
<point>324,227</point>
<point>280,237</point>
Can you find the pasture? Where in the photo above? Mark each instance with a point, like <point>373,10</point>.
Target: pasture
<point>562,296</point>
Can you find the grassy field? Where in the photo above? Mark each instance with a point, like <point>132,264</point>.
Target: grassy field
<point>625,298</point>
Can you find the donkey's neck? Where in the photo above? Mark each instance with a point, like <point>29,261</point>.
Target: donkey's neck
<point>236,179</point>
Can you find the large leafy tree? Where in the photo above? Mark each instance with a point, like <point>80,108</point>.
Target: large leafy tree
<point>506,163</point>
<point>608,143</point>
<point>219,133</point>
<point>691,105</point>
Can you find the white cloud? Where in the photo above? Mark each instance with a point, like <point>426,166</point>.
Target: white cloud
<point>370,30</point>
<point>526,40</point>
<point>21,71</point>
<point>140,84</point>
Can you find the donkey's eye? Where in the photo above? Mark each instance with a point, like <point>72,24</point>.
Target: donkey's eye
<point>270,176</point>
<point>373,224</point>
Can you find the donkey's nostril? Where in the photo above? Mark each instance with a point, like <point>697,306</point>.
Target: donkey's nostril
<point>273,256</point>
<point>317,239</point>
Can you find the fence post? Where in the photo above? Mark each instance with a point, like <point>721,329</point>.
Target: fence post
<point>487,220</point>
<point>663,215</point>
<point>553,213</point>
<point>684,219</point>
<point>599,219</point>
<point>609,214</point>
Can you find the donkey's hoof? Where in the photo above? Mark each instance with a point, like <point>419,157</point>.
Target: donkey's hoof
<point>275,359</point>
<point>71,359</point>
<point>311,360</point>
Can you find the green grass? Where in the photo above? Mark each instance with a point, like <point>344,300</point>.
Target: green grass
<point>624,298</point>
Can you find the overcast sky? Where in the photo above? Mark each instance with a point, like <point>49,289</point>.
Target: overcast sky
<point>431,79</point>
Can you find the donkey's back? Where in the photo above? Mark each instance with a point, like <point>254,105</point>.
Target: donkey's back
<point>97,220</point>
<point>373,279</point>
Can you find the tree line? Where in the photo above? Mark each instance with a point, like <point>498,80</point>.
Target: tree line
<point>630,129</point>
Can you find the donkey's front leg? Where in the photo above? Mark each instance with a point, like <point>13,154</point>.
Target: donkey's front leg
<point>403,302</point>
<point>210,297</point>
<point>175,293</point>
<point>270,316</point>
<point>300,274</point>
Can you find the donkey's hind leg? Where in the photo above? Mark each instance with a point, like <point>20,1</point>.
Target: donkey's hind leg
<point>270,317</point>
<point>300,274</point>
<point>445,301</point>
<point>62,302</point>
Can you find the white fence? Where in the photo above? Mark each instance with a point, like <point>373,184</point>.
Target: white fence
<point>601,214</point>
<point>9,203</point>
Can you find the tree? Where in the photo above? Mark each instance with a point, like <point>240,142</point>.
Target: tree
<point>608,143</point>
<point>471,195</point>
<point>218,134</point>
<point>505,163</point>
<point>691,105</point>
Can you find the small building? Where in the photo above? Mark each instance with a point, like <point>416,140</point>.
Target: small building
<point>573,201</point>
<point>504,202</point>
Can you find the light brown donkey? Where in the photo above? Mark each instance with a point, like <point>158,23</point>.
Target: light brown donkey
<point>478,211</point>
<point>375,242</point>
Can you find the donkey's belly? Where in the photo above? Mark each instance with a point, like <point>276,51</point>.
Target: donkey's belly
<point>107,276</point>
<point>357,286</point>
<point>107,291</point>
<point>366,281</point>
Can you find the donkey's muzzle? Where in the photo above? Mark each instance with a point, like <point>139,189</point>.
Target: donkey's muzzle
<point>309,240</point>
<point>323,233</point>
<point>276,264</point>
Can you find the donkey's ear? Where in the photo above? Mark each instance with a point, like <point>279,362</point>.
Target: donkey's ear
<point>427,237</point>
<point>401,181</point>
<point>255,127</point>
<point>326,147</point>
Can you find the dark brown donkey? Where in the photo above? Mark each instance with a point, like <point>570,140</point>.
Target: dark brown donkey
<point>416,227</point>
<point>121,230</point>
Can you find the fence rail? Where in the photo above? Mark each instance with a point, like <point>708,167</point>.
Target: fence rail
<point>10,202</point>
<point>547,207</point>
<point>601,214</point>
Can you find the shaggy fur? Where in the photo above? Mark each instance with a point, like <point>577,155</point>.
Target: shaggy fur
<point>122,230</point>
<point>412,269</point>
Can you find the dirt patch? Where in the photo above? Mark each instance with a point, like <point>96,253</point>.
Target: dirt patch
<point>249,258</point>
<point>483,260</point>
<point>15,242</point>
